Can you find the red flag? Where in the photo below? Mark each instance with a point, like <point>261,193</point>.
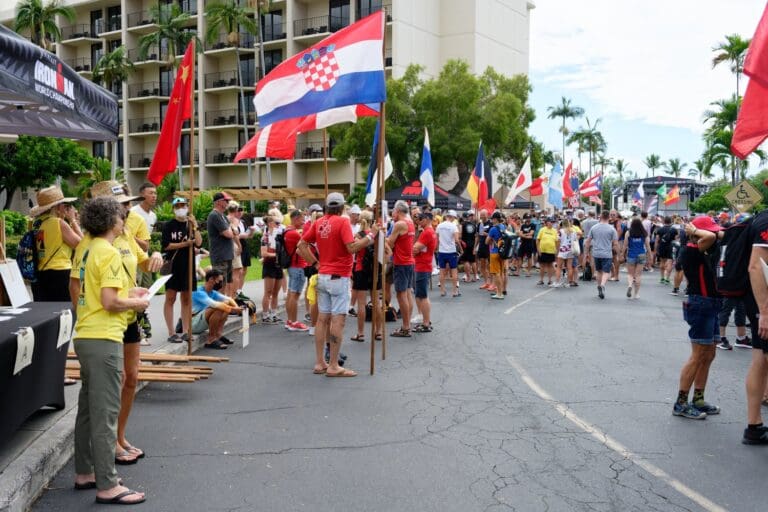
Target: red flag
<point>537,187</point>
<point>752,124</point>
<point>596,199</point>
<point>276,140</point>
<point>179,110</point>
<point>567,189</point>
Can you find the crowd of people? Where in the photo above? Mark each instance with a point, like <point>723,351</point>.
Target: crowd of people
<point>98,259</point>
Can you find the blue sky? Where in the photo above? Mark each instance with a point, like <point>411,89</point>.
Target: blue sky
<point>642,67</point>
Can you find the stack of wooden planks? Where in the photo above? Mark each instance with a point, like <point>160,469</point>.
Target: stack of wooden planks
<point>161,367</point>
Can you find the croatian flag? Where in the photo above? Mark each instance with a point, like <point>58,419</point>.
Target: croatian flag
<point>278,140</point>
<point>592,187</point>
<point>427,179</point>
<point>638,197</point>
<point>555,196</point>
<point>373,179</point>
<point>346,68</point>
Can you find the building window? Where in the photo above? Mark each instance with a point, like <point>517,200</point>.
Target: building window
<point>271,59</point>
<point>249,107</point>
<point>241,138</point>
<point>114,19</point>
<point>248,69</point>
<point>166,81</point>
<point>184,146</point>
<point>98,149</point>
<point>97,50</point>
<point>114,44</point>
<point>188,6</point>
<point>338,12</point>
<point>163,110</point>
<point>120,152</point>
<point>368,7</point>
<point>97,22</point>
<point>273,25</point>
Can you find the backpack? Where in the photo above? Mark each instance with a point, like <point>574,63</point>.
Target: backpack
<point>506,244</point>
<point>587,275</point>
<point>733,253</point>
<point>669,235</point>
<point>26,253</point>
<point>284,258</point>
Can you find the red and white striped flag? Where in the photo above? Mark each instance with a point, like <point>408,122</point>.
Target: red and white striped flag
<point>592,187</point>
<point>596,200</point>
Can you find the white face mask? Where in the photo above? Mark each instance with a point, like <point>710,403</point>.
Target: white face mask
<point>181,213</point>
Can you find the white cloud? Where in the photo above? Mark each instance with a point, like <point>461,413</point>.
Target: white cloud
<point>648,60</point>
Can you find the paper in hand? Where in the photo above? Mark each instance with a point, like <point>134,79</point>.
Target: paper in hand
<point>158,284</point>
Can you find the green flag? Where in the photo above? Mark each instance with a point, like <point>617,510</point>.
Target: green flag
<point>662,192</point>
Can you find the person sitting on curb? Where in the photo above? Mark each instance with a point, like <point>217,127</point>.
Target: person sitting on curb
<point>210,310</point>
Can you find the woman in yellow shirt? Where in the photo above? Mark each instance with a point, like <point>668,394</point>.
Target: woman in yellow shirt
<point>104,300</point>
<point>58,234</point>
<point>546,245</point>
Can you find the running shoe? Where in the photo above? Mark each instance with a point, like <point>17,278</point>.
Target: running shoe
<point>296,327</point>
<point>688,411</point>
<point>497,296</point>
<point>675,292</point>
<point>743,343</point>
<point>755,436</point>
<point>706,408</point>
<point>601,292</point>
<point>554,285</point>
<point>724,344</point>
<point>352,312</point>
<point>629,292</point>
<point>307,317</point>
<point>266,319</point>
<point>276,319</point>
<point>288,324</point>
<point>311,331</point>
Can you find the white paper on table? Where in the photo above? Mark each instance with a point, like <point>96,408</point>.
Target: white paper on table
<point>158,284</point>
<point>65,328</point>
<point>13,311</point>
<point>246,328</point>
<point>14,283</point>
<point>25,347</point>
<point>4,318</point>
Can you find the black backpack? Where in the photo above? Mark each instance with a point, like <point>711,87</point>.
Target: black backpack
<point>507,244</point>
<point>669,235</point>
<point>283,256</point>
<point>733,253</point>
<point>587,275</point>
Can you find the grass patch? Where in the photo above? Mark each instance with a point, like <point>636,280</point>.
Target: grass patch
<point>254,271</point>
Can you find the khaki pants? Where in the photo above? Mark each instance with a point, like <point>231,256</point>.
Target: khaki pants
<point>101,364</point>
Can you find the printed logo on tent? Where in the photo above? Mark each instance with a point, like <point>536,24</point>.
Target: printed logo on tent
<point>51,82</point>
<point>320,68</point>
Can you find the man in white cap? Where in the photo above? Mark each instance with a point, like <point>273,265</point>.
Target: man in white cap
<point>332,235</point>
<point>354,218</point>
<point>447,257</point>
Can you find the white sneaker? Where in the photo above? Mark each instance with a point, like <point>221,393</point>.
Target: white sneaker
<point>311,331</point>
<point>554,284</point>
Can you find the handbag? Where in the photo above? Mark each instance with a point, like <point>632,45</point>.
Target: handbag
<point>167,267</point>
<point>575,247</point>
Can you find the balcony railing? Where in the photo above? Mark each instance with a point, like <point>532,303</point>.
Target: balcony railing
<point>188,6</point>
<point>114,22</point>
<point>319,25</point>
<point>220,155</point>
<point>148,124</point>
<point>152,55</point>
<point>137,19</point>
<point>78,31</point>
<point>274,32</point>
<point>309,150</point>
<point>388,57</point>
<point>80,64</point>
<point>222,117</point>
<point>148,89</point>
<point>221,79</point>
<point>366,11</point>
<point>140,160</point>
<point>245,40</point>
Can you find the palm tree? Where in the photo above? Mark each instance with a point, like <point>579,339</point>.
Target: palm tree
<point>228,15</point>
<point>653,162</point>
<point>40,20</point>
<point>702,168</point>
<point>171,35</point>
<point>101,171</point>
<point>565,111</point>
<point>113,68</point>
<point>593,140</point>
<point>674,167</point>
<point>722,118</point>
<point>621,167</point>
<point>578,137</point>
<point>603,161</point>
<point>732,50</point>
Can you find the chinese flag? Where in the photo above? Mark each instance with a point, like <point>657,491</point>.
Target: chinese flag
<point>179,110</point>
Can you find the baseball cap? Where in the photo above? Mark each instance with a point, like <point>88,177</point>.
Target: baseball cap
<point>218,196</point>
<point>706,223</point>
<point>180,200</point>
<point>314,208</point>
<point>355,210</point>
<point>450,213</point>
<point>295,213</point>
<point>334,199</point>
<point>497,215</point>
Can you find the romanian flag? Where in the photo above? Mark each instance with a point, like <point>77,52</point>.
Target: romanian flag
<point>480,183</point>
<point>673,196</point>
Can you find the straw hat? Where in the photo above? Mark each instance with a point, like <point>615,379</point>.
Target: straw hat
<point>114,189</point>
<point>49,197</point>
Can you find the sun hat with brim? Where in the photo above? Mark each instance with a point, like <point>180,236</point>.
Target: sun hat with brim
<point>49,197</point>
<point>111,188</point>
<point>706,223</point>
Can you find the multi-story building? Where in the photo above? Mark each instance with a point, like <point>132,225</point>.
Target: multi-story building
<point>426,32</point>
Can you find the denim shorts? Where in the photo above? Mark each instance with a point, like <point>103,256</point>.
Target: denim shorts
<point>701,314</point>
<point>637,260</point>
<point>451,259</point>
<point>332,294</point>
<point>603,264</point>
<point>421,290</point>
<point>403,277</point>
<point>296,279</point>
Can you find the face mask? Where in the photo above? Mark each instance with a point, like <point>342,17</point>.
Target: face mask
<point>218,286</point>
<point>181,213</point>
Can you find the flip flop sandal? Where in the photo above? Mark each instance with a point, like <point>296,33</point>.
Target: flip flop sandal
<point>118,500</point>
<point>457,294</point>
<point>358,337</point>
<point>69,382</point>
<point>421,328</point>
<point>378,337</point>
<point>218,345</point>
<point>401,333</point>
<point>319,371</point>
<point>138,452</point>
<point>121,460</point>
<point>345,372</point>
<point>92,485</point>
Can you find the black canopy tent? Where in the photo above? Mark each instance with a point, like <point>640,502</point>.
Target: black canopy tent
<point>40,95</point>
<point>411,192</point>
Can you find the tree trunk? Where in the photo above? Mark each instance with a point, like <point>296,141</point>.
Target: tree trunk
<point>464,172</point>
<point>9,192</point>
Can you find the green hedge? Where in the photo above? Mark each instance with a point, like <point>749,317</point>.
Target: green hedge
<point>15,222</point>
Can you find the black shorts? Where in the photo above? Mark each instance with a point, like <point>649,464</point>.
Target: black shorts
<point>468,255</point>
<point>664,252</point>
<point>526,250</point>
<point>752,313</point>
<point>483,251</point>
<point>546,257</point>
<point>179,280</point>
<point>132,334</point>
<point>245,258</point>
<point>271,270</point>
<point>361,280</point>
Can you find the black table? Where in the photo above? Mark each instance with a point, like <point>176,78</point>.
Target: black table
<point>42,382</point>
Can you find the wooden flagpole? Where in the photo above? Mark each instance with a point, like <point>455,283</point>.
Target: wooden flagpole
<point>191,270</point>
<point>325,162</point>
<point>380,196</point>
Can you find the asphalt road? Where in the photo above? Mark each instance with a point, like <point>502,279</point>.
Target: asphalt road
<point>551,400</point>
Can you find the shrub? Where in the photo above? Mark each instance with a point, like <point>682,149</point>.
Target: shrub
<point>16,223</point>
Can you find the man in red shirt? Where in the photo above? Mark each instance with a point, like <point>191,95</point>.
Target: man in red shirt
<point>332,235</point>
<point>292,236</point>
<point>424,254</point>
<point>400,243</point>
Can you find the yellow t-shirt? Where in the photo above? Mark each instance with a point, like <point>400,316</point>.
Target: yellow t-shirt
<point>52,252</point>
<point>547,240</point>
<point>312,290</point>
<point>131,255</point>
<point>101,268</point>
<point>137,226</point>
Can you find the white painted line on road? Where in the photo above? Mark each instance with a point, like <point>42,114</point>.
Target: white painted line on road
<point>526,301</point>
<point>613,444</point>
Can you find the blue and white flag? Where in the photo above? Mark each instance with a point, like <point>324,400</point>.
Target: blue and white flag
<point>426,176</point>
<point>555,196</point>
<point>372,180</point>
<point>638,197</point>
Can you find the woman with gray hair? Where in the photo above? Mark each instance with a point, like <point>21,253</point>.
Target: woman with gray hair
<point>105,297</point>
